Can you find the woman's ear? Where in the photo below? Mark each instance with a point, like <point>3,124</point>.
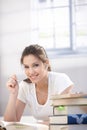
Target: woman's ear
<point>47,63</point>
<point>46,66</point>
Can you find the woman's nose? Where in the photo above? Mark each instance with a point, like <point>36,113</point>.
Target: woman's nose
<point>31,70</point>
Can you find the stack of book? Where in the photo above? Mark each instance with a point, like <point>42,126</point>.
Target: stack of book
<point>69,112</point>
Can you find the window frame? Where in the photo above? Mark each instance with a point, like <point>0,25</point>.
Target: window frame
<point>73,50</point>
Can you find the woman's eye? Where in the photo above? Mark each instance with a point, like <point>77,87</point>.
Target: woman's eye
<point>33,66</point>
<point>26,67</point>
<point>36,65</point>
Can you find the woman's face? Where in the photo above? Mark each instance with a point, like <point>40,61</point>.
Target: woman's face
<point>34,68</point>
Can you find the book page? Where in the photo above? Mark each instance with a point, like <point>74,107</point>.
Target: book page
<point>23,126</point>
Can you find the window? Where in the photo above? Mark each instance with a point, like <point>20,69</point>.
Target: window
<point>81,23</point>
<point>59,25</point>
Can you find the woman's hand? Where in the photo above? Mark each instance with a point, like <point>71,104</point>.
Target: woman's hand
<point>67,90</point>
<point>12,84</point>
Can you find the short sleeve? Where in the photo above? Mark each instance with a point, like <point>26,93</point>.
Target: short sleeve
<point>61,82</point>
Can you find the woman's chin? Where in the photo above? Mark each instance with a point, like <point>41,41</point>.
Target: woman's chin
<point>34,81</point>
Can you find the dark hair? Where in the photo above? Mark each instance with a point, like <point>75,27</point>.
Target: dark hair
<point>37,51</point>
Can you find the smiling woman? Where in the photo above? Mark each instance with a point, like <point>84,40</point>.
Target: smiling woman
<point>37,88</point>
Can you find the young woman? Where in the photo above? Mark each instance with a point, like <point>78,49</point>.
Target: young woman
<point>36,90</point>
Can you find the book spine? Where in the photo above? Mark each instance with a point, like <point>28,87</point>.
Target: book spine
<point>67,127</point>
<point>69,119</point>
<point>58,127</point>
<point>77,119</point>
<point>63,110</point>
<point>60,110</point>
<point>78,101</point>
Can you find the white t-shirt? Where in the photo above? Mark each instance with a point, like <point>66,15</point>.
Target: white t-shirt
<point>57,82</point>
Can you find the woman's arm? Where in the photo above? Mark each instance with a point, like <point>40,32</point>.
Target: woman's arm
<point>67,90</point>
<point>14,107</point>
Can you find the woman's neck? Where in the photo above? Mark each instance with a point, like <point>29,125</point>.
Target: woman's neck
<point>42,84</point>
<point>42,91</point>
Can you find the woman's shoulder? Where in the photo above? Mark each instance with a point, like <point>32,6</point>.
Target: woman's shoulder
<point>25,85</point>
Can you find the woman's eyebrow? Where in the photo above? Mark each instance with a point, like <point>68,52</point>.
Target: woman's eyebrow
<point>25,65</point>
<point>37,62</point>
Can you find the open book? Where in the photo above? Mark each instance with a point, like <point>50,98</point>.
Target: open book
<point>23,126</point>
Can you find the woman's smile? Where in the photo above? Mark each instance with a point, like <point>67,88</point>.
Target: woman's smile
<point>33,77</point>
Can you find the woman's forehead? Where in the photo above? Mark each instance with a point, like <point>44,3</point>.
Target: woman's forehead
<point>31,59</point>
